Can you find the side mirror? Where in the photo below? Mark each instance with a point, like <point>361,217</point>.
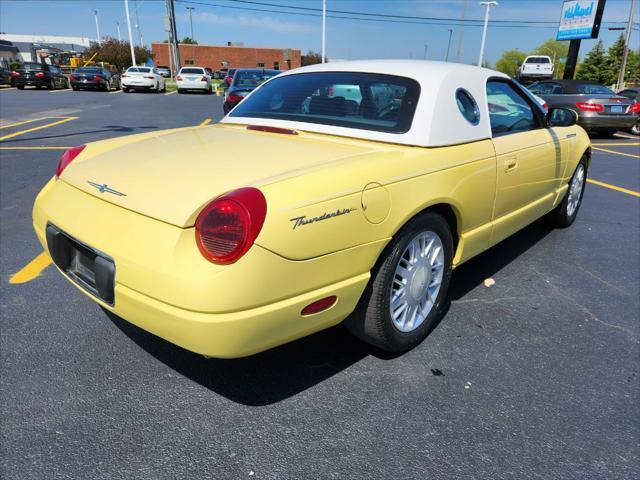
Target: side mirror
<point>561,117</point>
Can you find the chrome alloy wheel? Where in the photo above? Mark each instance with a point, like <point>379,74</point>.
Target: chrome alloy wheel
<point>575,190</point>
<point>416,281</point>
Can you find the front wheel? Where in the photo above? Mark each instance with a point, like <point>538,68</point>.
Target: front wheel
<point>407,294</point>
<point>566,212</point>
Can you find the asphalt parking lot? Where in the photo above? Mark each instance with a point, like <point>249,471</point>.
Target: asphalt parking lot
<point>534,377</point>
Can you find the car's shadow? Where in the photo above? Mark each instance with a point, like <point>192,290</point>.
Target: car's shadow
<point>282,372</point>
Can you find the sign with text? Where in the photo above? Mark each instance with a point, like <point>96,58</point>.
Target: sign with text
<point>580,19</point>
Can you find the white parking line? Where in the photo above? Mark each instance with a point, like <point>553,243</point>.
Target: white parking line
<point>8,88</point>
<point>58,91</point>
<point>171,93</point>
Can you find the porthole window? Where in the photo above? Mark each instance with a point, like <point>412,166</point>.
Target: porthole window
<point>467,106</point>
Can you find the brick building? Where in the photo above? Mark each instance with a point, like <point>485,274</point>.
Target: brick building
<point>217,57</point>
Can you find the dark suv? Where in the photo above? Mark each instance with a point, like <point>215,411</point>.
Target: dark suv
<point>38,75</point>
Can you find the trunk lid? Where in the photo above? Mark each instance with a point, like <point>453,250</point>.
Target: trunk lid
<point>171,175</point>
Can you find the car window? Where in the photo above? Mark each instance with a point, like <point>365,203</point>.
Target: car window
<point>133,70</point>
<point>365,101</point>
<point>468,106</point>
<point>546,88</point>
<point>198,71</point>
<point>537,60</point>
<point>631,94</point>
<point>144,70</point>
<point>32,66</point>
<point>508,110</point>
<point>252,79</point>
<point>593,89</point>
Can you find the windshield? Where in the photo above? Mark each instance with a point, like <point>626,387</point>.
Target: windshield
<point>251,79</point>
<point>538,60</point>
<point>592,89</point>
<point>365,101</point>
<point>199,71</point>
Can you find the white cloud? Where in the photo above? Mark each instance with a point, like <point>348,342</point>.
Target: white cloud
<point>265,22</point>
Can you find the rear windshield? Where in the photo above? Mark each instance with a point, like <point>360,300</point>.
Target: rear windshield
<point>138,69</point>
<point>32,66</point>
<point>365,101</point>
<point>252,79</point>
<point>538,60</point>
<point>89,70</point>
<point>591,89</point>
<point>199,71</point>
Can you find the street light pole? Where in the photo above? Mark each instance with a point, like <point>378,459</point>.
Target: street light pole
<point>324,30</point>
<point>191,9</point>
<point>625,54</point>
<point>95,14</point>
<point>446,59</point>
<point>133,55</point>
<point>488,6</point>
<point>118,30</point>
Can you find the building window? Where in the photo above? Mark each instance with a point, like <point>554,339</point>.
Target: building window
<point>276,65</point>
<point>188,62</point>
<point>260,65</point>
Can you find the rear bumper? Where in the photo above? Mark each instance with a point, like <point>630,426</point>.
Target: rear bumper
<point>192,85</point>
<point>33,82</point>
<point>170,290</point>
<point>89,84</point>
<point>595,122</point>
<point>140,85</point>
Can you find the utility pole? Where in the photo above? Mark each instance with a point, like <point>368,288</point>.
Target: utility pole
<point>324,30</point>
<point>167,28</point>
<point>174,35</point>
<point>118,30</point>
<point>446,59</point>
<point>191,9</point>
<point>464,7</point>
<point>488,6</point>
<point>133,55</point>
<point>95,15</point>
<point>138,25</point>
<point>625,54</point>
<point>426,47</point>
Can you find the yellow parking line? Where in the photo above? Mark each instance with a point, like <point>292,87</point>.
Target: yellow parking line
<point>61,90</point>
<point>115,91</point>
<point>622,135</point>
<point>613,187</point>
<point>22,132</point>
<point>626,144</point>
<point>35,148</point>
<point>206,121</point>
<point>617,153</point>
<point>171,93</point>
<point>31,270</point>
<point>26,121</point>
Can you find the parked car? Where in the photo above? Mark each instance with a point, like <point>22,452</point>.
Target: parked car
<point>219,74</point>
<point>633,94</point>
<point>5,76</point>
<point>245,80</point>
<point>38,75</point>
<point>229,76</point>
<point>96,78</point>
<point>535,67</point>
<point>142,78</point>
<point>164,71</point>
<point>193,78</point>
<point>317,217</point>
<point>598,108</point>
<point>209,72</point>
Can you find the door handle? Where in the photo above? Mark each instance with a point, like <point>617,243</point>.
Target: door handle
<point>510,163</point>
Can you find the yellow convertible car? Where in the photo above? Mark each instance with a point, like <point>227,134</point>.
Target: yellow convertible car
<point>353,191</point>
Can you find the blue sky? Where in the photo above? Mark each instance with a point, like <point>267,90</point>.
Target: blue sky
<point>346,39</point>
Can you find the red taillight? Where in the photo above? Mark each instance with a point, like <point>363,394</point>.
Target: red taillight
<point>67,157</point>
<point>228,79</point>
<point>15,74</point>
<point>72,78</point>
<point>545,107</point>
<point>233,98</point>
<point>635,108</point>
<point>319,305</point>
<point>330,90</point>
<point>98,77</point>
<point>179,78</point>
<point>589,107</point>
<point>39,74</point>
<point>229,225</point>
<point>124,75</point>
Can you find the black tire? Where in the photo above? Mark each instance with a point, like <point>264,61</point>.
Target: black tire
<point>560,217</point>
<point>608,133</point>
<point>74,88</point>
<point>180,90</point>
<point>371,321</point>
<point>125,89</point>
<point>20,87</point>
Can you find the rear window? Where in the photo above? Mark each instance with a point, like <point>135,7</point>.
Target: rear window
<point>138,70</point>
<point>365,101</point>
<point>32,66</point>
<point>538,60</point>
<point>89,70</point>
<point>546,89</point>
<point>252,79</point>
<point>591,89</point>
<point>199,71</point>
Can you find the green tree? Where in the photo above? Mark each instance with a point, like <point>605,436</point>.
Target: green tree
<point>556,50</point>
<point>614,60</point>
<point>189,41</point>
<point>595,66</point>
<point>116,53</point>
<point>632,74</point>
<point>311,58</point>
<point>509,62</point>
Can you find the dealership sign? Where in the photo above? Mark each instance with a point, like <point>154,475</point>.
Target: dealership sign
<point>580,19</point>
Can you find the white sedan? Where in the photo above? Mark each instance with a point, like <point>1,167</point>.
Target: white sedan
<point>142,78</point>
<point>193,78</point>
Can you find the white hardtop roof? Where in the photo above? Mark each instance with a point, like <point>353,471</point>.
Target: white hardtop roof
<point>437,120</point>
